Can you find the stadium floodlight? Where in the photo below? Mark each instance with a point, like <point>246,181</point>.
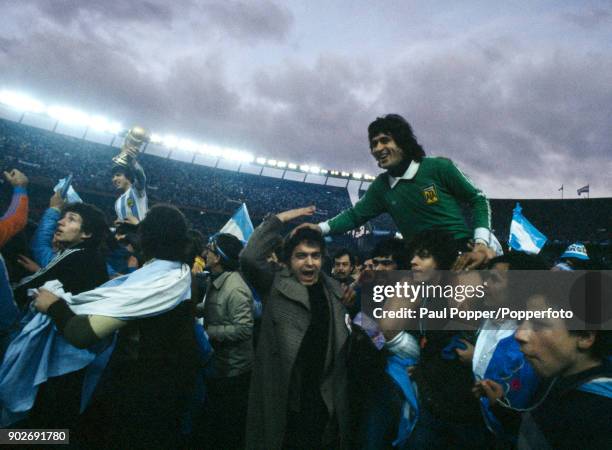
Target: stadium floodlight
<point>305,167</point>
<point>272,162</point>
<point>100,123</point>
<point>357,175</point>
<point>345,174</point>
<point>281,164</point>
<point>188,145</point>
<point>237,155</point>
<point>156,138</point>
<point>292,166</point>
<point>21,101</point>
<point>335,172</point>
<point>68,115</point>
<point>315,169</point>
<point>323,172</point>
<point>114,128</point>
<point>170,141</point>
<point>261,160</point>
<point>210,150</point>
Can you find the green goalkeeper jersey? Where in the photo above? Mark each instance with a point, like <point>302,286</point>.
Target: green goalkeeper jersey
<point>431,198</point>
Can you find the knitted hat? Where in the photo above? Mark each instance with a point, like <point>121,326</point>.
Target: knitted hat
<point>576,250</point>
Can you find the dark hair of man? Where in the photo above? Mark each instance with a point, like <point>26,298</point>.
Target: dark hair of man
<point>395,248</point>
<point>345,251</point>
<point>93,222</point>
<point>438,244</point>
<point>163,234</point>
<point>306,236</point>
<point>228,247</point>
<point>602,347</point>
<point>401,131</point>
<point>520,261</point>
<point>123,170</point>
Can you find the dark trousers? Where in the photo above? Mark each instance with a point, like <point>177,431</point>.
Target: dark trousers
<point>433,433</point>
<point>381,416</point>
<point>226,411</point>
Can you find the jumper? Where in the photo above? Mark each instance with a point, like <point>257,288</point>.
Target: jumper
<point>432,198</point>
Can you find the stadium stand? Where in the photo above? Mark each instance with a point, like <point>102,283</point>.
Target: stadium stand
<point>207,195</point>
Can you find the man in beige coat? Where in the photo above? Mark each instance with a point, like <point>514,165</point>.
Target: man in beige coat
<point>298,393</point>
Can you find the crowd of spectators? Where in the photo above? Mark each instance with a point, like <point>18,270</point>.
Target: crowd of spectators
<point>49,156</point>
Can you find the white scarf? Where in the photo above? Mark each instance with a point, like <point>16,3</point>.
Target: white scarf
<point>156,287</point>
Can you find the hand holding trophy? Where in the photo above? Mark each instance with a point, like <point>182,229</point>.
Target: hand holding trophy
<point>135,140</point>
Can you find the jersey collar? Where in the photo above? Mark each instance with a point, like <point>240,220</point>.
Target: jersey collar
<point>408,175</point>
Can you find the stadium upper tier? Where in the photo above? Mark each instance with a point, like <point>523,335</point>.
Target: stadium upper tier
<point>46,156</point>
<point>559,220</point>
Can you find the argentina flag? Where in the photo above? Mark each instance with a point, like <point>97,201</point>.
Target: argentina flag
<point>240,224</point>
<point>524,236</point>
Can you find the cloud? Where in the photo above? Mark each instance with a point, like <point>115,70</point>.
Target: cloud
<point>247,21</point>
<point>320,117</point>
<point>85,74</point>
<point>510,115</point>
<point>65,12</point>
<point>589,19</point>
<point>520,117</point>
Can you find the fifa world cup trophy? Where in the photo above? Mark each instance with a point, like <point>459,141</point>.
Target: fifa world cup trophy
<point>134,141</point>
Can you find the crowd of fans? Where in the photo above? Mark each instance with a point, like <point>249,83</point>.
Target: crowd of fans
<point>48,156</point>
<point>131,329</point>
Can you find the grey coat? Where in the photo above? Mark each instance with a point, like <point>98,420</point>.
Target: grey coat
<point>228,318</point>
<point>275,386</point>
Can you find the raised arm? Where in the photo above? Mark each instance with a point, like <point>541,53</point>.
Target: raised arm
<point>16,216</point>
<point>140,179</point>
<point>368,207</point>
<point>42,241</point>
<point>254,263</point>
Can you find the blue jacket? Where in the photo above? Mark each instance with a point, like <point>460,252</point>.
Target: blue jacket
<point>42,251</point>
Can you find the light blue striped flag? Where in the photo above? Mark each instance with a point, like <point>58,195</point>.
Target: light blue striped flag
<point>240,224</point>
<point>524,237</point>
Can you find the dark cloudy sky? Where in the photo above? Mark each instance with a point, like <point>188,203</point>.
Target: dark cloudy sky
<point>518,93</point>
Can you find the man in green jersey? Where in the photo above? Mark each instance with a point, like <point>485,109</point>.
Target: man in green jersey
<point>419,193</point>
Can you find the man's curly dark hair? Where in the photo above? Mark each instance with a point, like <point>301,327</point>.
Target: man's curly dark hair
<point>163,234</point>
<point>93,222</point>
<point>309,236</point>
<point>436,243</point>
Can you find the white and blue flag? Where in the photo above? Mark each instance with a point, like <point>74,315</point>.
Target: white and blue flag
<point>524,237</point>
<point>240,224</point>
<point>64,187</point>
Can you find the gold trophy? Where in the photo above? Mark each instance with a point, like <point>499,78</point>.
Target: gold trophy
<point>134,141</point>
